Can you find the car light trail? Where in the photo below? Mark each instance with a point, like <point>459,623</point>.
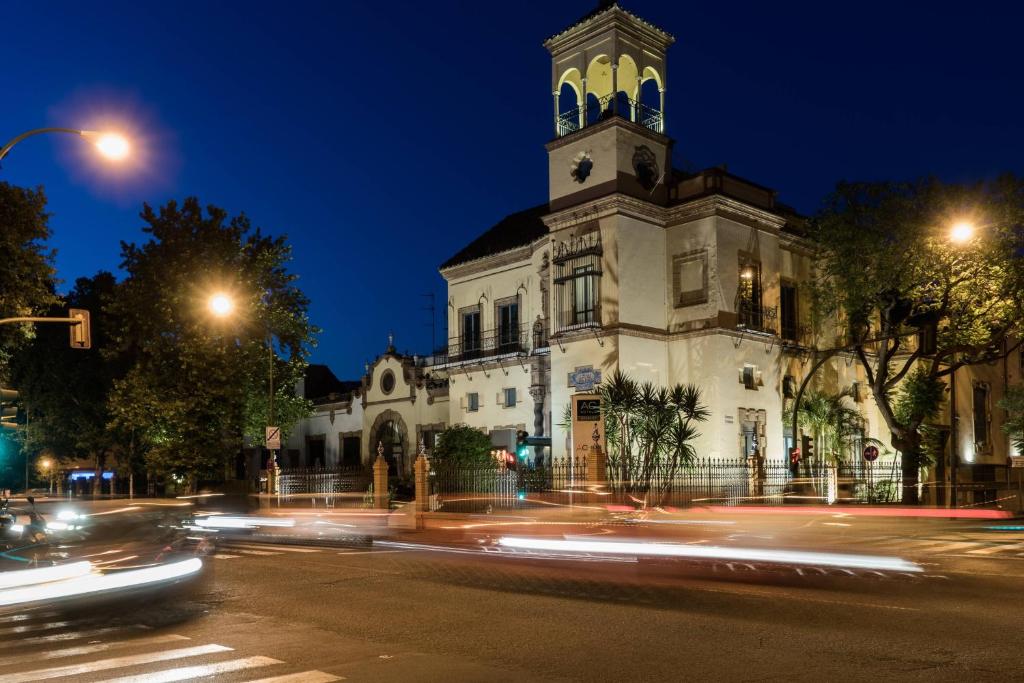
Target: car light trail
<point>89,584</point>
<point>27,577</point>
<point>861,511</point>
<point>224,522</point>
<point>714,553</point>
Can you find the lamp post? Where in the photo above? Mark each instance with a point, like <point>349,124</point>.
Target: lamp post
<point>222,305</point>
<point>960,234</point>
<point>111,145</point>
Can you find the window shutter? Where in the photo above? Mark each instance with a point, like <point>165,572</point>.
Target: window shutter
<point>501,398</point>
<point>462,401</point>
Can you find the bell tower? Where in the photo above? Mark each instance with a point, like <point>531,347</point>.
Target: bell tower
<point>608,81</point>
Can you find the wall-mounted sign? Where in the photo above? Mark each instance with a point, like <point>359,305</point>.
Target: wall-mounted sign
<point>587,425</point>
<point>584,378</point>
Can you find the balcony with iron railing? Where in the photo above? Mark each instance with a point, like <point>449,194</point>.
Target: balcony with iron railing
<point>606,107</point>
<point>504,341</point>
<point>758,318</point>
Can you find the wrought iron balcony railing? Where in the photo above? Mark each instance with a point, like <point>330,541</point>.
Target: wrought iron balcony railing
<point>606,107</point>
<point>500,342</point>
<point>758,318</point>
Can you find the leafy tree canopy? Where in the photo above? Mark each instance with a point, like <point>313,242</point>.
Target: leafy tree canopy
<point>197,383</point>
<point>26,269</point>
<point>463,445</point>
<point>888,269</point>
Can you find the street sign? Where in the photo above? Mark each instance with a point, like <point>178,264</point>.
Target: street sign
<point>871,453</point>
<point>274,438</point>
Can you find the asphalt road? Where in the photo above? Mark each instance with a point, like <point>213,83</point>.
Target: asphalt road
<point>396,613</point>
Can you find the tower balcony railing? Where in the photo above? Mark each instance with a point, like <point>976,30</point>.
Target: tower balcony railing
<point>607,107</point>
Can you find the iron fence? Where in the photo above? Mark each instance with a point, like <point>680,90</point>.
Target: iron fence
<point>329,482</point>
<point>481,488</point>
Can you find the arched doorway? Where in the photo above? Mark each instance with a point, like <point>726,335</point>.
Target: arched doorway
<point>390,434</point>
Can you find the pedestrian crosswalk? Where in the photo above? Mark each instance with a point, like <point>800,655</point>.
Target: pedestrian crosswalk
<point>947,545</point>
<point>76,649</point>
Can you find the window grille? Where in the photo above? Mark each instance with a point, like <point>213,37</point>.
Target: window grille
<point>577,280</point>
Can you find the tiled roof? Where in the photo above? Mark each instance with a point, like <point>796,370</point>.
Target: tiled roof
<point>514,230</point>
<point>602,7</point>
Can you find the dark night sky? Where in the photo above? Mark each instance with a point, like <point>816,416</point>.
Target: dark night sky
<point>381,137</point>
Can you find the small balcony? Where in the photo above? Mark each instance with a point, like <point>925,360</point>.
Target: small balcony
<point>607,107</point>
<point>492,344</point>
<point>758,318</point>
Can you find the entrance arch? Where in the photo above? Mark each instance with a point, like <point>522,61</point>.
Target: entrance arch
<point>389,430</point>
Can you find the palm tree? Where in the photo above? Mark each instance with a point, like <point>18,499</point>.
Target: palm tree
<point>649,430</point>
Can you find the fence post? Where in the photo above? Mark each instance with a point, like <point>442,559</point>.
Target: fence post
<point>380,482</point>
<point>597,465</point>
<point>421,469</point>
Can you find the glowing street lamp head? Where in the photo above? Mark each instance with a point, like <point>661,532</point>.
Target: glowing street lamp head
<point>111,145</point>
<point>221,305</point>
<point>961,232</point>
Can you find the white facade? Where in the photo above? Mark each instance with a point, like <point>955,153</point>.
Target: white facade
<point>632,265</point>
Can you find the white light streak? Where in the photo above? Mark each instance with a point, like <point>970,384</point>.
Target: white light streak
<point>223,522</point>
<point>27,577</point>
<point>714,553</point>
<point>96,583</point>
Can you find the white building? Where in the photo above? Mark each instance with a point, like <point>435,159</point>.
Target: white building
<point>630,264</point>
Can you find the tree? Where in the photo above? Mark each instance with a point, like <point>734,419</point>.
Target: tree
<point>649,430</point>
<point>888,272</point>
<point>26,270</point>
<point>196,385</point>
<point>463,445</point>
<point>1013,403</point>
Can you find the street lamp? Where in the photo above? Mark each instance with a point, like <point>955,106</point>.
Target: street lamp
<point>222,305</point>
<point>111,145</point>
<point>49,479</point>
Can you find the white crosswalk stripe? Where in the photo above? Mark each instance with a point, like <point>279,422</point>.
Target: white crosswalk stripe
<point>111,663</point>
<point>302,677</point>
<point>1004,547</point>
<point>186,673</point>
<point>89,649</point>
<point>946,545</point>
<point>155,657</point>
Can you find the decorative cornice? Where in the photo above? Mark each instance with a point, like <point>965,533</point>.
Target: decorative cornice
<point>612,14</point>
<point>510,258</point>
<point>726,207</point>
<point>605,206</point>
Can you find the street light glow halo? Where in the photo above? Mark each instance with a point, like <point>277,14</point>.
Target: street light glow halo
<point>961,231</point>
<point>221,305</point>
<point>113,146</point>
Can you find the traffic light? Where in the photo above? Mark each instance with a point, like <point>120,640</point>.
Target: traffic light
<point>807,448</point>
<point>81,333</point>
<point>522,447</point>
<point>8,409</point>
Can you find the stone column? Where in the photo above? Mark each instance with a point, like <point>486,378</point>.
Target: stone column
<point>557,130</point>
<point>380,481</point>
<point>583,103</point>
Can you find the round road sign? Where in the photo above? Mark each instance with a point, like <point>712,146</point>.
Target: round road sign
<point>871,453</point>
